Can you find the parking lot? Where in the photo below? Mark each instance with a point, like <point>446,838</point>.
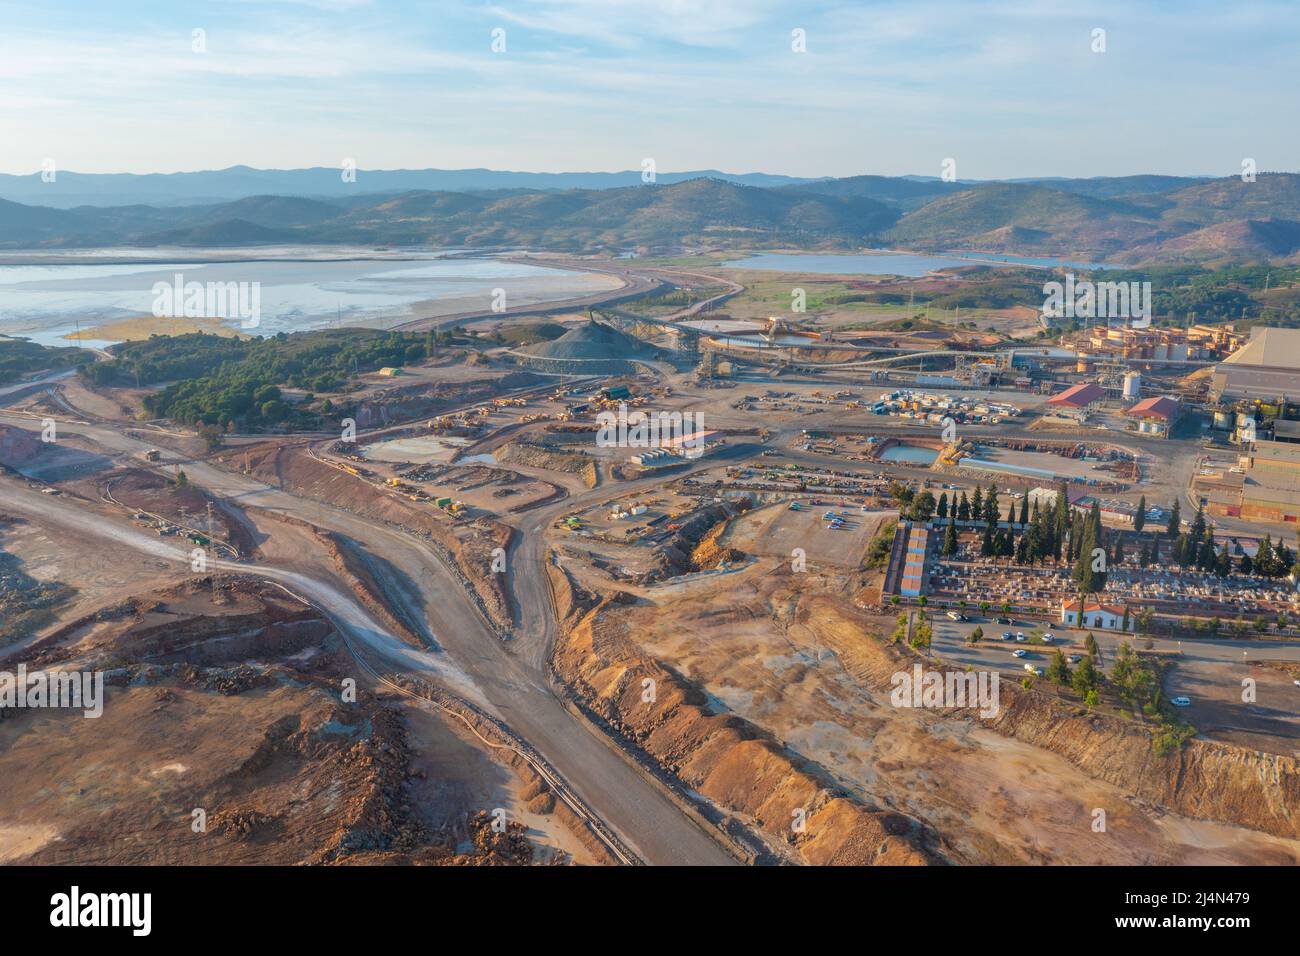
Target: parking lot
<point>1210,673</point>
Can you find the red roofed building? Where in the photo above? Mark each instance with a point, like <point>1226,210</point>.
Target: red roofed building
<point>1156,416</point>
<point>1078,400</point>
<point>1105,617</point>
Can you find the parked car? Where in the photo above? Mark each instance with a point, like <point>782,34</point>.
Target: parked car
<point>1018,652</point>
<point>1047,638</point>
<point>1181,702</point>
<point>954,616</point>
<point>1006,636</point>
<point>1020,636</point>
<point>1075,658</point>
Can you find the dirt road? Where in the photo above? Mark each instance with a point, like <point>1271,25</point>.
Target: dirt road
<point>471,658</point>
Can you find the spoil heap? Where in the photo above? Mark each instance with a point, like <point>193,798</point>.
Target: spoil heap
<point>590,348</point>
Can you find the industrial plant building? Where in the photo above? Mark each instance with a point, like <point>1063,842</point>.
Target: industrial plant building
<point>1198,343</point>
<point>1266,368</point>
<point>1078,401</point>
<point>1156,416</point>
<point>1271,488</point>
<point>1264,486</point>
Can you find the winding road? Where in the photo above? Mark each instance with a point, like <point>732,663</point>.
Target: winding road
<point>507,681</point>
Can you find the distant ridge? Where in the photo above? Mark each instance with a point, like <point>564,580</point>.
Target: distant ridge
<point>1122,220</point>
<point>575,220</point>
<point>212,186</point>
<point>71,189</point>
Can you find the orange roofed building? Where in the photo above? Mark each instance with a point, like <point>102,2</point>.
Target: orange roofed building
<point>1104,617</point>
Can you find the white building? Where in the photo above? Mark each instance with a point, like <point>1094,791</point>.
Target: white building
<point>1104,617</point>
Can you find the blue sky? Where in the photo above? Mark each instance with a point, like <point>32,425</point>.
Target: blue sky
<point>1005,89</point>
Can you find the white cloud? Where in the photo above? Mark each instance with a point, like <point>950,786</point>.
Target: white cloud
<point>632,23</point>
<point>884,83</point>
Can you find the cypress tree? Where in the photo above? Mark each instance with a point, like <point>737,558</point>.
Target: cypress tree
<point>1061,520</point>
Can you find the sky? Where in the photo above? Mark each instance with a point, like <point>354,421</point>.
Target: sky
<point>1004,90</point>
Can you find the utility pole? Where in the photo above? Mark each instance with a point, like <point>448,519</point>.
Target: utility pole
<point>212,554</point>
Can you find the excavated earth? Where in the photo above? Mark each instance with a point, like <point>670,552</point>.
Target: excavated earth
<point>780,806</point>
<point>772,697</point>
<point>225,738</point>
<point>468,545</point>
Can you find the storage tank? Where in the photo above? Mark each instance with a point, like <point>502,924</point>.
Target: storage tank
<point>1245,427</point>
<point>1132,386</point>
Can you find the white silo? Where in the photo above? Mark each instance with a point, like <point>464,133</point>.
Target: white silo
<point>1132,386</point>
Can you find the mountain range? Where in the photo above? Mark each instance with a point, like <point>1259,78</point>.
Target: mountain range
<point>1120,219</point>
<point>210,186</point>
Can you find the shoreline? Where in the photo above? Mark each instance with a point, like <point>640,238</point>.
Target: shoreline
<point>552,284</point>
<point>279,252</point>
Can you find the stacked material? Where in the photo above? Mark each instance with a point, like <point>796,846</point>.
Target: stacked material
<point>591,342</point>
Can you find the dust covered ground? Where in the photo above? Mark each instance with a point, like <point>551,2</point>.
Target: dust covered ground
<point>224,738</point>
<point>789,654</point>
<point>51,577</point>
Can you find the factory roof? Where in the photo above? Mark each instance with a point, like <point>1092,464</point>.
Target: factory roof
<point>1078,396</point>
<point>693,440</point>
<point>1269,348</point>
<point>1286,430</point>
<point>1161,406</point>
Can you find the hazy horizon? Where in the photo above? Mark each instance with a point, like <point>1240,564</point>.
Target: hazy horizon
<point>756,171</point>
